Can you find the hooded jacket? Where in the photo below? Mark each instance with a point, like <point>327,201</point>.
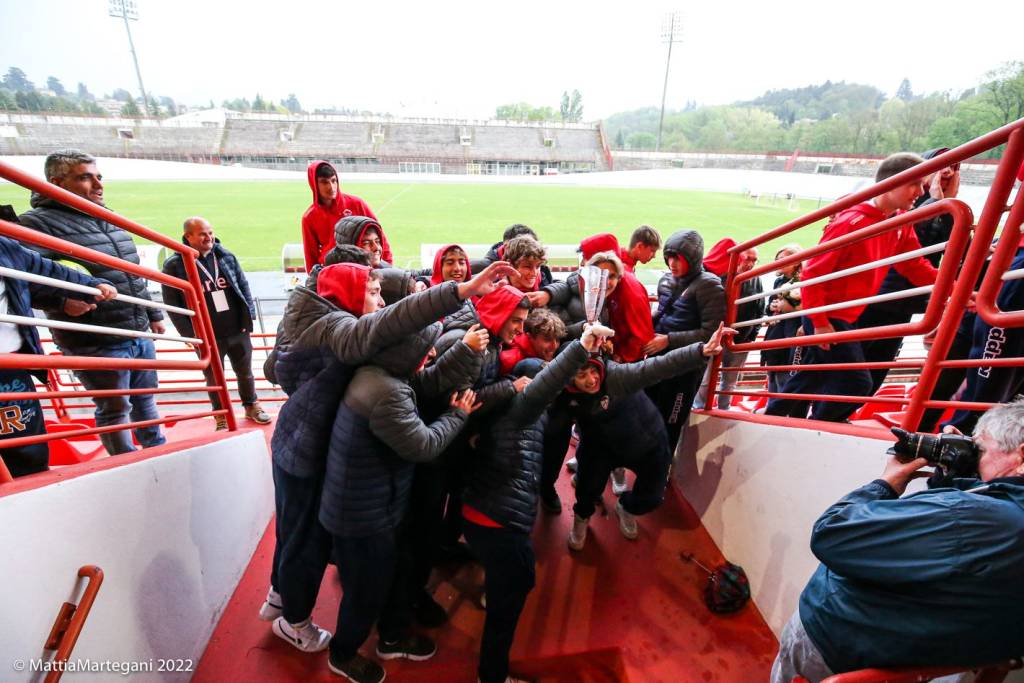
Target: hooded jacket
<point>522,347</point>
<point>53,218</point>
<point>717,260</point>
<point>377,437</point>
<point>318,222</point>
<point>436,276</point>
<point>350,229</point>
<point>690,307</point>
<point>919,271</point>
<point>504,476</point>
<point>230,270</point>
<point>629,312</point>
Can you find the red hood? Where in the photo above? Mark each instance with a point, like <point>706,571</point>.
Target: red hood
<point>335,208</point>
<point>495,308</point>
<point>597,363</point>
<point>435,272</point>
<point>344,285</point>
<point>629,312</point>
<point>596,243</point>
<point>522,347</point>
<point>717,259</point>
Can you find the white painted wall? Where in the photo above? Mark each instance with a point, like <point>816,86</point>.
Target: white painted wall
<point>173,535</point>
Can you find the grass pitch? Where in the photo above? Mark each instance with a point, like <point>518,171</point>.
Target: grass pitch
<point>254,219</point>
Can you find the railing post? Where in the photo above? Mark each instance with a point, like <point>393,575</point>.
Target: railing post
<point>70,620</point>
<point>984,231</point>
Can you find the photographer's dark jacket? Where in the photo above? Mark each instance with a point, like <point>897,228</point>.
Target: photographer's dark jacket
<point>242,311</point>
<point>935,578</point>
<point>53,218</point>
<point>689,307</point>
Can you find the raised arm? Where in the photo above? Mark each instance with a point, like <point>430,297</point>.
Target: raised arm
<point>626,378</point>
<point>395,421</point>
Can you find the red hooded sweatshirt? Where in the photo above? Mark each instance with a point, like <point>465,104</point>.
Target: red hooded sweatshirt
<point>436,277</point>
<point>629,312</point>
<point>919,271</point>
<point>318,221</point>
<point>606,241</point>
<point>717,259</point>
<point>344,285</point>
<point>496,308</point>
<point>522,347</point>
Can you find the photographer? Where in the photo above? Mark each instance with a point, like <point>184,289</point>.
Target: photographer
<point>933,579</point>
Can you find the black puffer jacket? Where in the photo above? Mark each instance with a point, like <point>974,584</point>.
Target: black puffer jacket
<point>567,303</point>
<point>504,474</point>
<point>55,219</point>
<point>691,307</point>
<point>378,436</point>
<point>751,310</point>
<point>230,269</point>
<point>348,229</point>
<point>492,390</point>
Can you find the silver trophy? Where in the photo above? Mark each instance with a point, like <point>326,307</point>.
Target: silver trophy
<point>594,282</point>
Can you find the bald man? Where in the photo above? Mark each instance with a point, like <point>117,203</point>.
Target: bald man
<point>231,311</point>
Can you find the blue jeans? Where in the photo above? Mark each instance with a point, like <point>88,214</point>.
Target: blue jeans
<point>112,410</point>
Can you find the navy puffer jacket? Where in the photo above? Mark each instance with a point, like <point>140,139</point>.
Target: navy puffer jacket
<point>689,307</point>
<point>504,474</point>
<point>230,269</point>
<point>56,219</point>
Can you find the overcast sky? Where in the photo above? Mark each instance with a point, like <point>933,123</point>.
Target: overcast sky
<point>462,59</point>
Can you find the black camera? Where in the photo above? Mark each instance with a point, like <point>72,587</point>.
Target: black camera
<point>955,454</point>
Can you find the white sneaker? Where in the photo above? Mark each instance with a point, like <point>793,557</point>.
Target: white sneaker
<point>570,464</point>
<point>306,636</point>
<point>271,608</point>
<point>627,522</point>
<point>619,485</point>
<point>578,534</point>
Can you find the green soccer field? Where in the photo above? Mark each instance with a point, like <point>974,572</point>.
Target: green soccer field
<point>254,219</point>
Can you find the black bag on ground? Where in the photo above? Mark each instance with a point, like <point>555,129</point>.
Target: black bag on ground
<point>728,589</point>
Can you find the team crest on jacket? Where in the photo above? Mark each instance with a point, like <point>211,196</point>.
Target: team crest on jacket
<point>346,212</point>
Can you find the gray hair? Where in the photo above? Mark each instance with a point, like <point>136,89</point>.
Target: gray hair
<point>607,257</point>
<point>1004,424</point>
<point>59,164</point>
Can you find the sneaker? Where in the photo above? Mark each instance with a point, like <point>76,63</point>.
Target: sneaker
<point>550,502</point>
<point>357,668</point>
<point>415,647</point>
<point>627,522</point>
<point>619,485</point>
<point>570,464</point>
<point>256,413</point>
<point>222,423</point>
<point>306,636</point>
<point>427,612</point>
<point>271,608</point>
<point>578,534</point>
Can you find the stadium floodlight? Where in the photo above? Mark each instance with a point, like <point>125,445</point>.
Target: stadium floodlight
<point>671,32</point>
<point>128,9</point>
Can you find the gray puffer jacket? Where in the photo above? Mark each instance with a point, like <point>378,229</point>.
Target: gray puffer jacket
<point>378,436</point>
<point>567,303</point>
<point>691,307</point>
<point>492,389</point>
<point>56,219</point>
<point>348,229</point>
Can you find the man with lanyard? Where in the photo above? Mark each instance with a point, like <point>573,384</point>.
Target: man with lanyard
<point>231,311</point>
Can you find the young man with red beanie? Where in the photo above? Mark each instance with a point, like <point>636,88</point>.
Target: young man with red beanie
<point>919,271</point>
<point>328,207</point>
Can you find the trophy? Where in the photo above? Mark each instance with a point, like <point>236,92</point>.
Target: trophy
<point>594,282</point>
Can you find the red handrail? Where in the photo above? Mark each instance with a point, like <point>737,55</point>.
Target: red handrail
<point>70,620</point>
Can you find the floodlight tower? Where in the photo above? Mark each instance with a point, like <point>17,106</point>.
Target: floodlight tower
<point>127,9</point>
<point>671,32</point>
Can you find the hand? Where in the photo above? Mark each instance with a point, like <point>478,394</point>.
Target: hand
<point>538,299</point>
<point>608,347</point>
<point>824,329</point>
<point>656,345</point>
<point>487,280</point>
<point>950,429</point>
<point>898,474</point>
<point>953,186</point>
<point>158,327</point>
<point>75,308</point>
<point>476,338</point>
<point>594,335</point>
<point>713,346</point>
<point>416,286</point>
<point>521,383</point>
<point>107,292</point>
<point>935,186</point>
<point>465,401</point>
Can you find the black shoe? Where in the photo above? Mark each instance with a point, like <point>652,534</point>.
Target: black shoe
<point>428,613</point>
<point>357,668</point>
<point>415,647</point>
<point>551,503</point>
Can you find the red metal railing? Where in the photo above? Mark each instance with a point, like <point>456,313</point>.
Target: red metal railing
<point>70,620</point>
<point>203,327</point>
<point>958,273</point>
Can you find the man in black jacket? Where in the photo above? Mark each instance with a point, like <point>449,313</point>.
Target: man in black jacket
<point>231,311</point>
<point>76,172</point>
